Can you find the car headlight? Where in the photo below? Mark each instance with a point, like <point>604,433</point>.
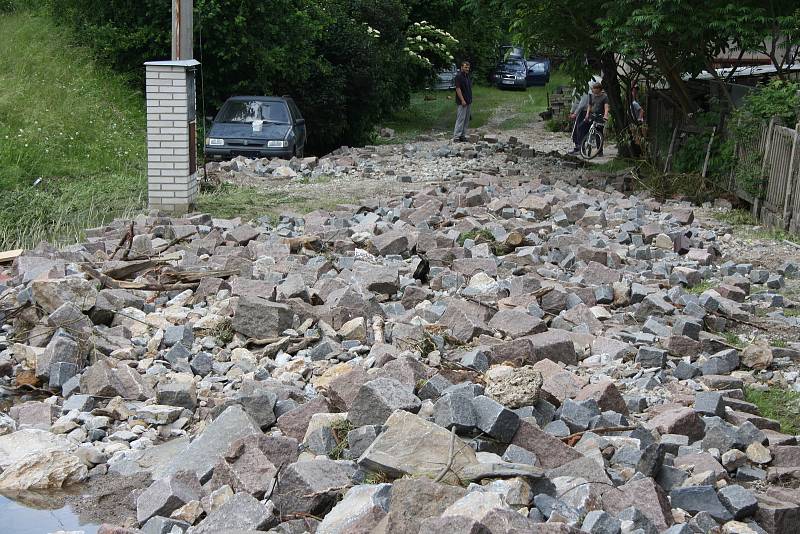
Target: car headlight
<point>213,141</point>
<point>276,144</point>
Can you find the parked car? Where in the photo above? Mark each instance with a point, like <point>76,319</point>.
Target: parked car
<point>538,71</point>
<point>512,74</point>
<point>257,127</point>
<point>510,64</point>
<point>446,79</point>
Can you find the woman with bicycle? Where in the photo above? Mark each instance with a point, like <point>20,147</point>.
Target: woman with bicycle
<point>597,112</point>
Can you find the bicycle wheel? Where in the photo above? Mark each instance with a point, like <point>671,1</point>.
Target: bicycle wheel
<point>592,144</point>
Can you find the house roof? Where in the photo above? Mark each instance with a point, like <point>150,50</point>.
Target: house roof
<point>746,71</point>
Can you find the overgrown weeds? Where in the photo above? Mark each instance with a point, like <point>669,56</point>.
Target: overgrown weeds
<point>557,124</point>
<point>376,478</point>
<point>223,331</point>
<point>340,429</point>
<point>482,235</point>
<point>690,186</point>
<point>60,211</point>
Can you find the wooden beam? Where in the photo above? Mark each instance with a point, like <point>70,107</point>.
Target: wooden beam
<point>182,29</point>
<point>790,180</point>
<point>764,163</point>
<point>10,255</point>
<point>668,161</point>
<point>708,151</point>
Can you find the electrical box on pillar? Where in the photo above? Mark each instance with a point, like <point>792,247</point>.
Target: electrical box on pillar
<point>172,120</point>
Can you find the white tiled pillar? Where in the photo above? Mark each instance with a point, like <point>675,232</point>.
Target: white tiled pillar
<point>171,142</point>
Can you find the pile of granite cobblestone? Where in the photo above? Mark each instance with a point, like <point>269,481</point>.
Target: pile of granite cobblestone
<point>488,355</point>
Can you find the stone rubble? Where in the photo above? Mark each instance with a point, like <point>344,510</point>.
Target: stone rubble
<point>495,353</point>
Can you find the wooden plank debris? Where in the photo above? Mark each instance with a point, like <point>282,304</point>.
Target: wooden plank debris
<point>10,255</point>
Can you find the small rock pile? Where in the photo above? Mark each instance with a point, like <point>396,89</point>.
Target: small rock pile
<point>422,160</point>
<point>491,355</point>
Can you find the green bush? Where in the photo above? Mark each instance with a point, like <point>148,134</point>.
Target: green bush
<point>691,155</point>
<point>477,24</point>
<point>779,99</point>
<point>557,124</point>
<point>343,76</point>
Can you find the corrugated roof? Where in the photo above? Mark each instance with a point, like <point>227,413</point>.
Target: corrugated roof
<point>745,71</point>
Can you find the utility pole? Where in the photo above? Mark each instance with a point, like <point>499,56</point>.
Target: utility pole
<point>182,29</point>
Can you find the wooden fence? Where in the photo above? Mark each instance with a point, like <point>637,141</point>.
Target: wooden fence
<point>778,154</point>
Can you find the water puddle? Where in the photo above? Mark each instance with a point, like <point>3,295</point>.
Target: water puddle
<point>36,514</point>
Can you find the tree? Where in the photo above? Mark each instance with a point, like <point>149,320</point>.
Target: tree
<point>770,28</point>
<point>478,26</point>
<point>572,26</point>
<point>342,60</point>
<point>664,42</point>
<point>670,39</point>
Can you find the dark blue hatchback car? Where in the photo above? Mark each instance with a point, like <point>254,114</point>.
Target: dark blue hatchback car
<point>257,127</point>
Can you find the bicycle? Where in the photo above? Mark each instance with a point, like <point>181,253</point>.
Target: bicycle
<point>592,143</point>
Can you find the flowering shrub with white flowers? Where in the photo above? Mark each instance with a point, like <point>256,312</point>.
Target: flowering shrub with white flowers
<point>428,46</point>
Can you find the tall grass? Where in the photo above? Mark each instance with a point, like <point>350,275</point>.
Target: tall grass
<point>72,137</point>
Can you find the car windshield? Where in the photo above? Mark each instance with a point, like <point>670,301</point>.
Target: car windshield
<point>537,67</point>
<point>515,65</point>
<point>246,111</point>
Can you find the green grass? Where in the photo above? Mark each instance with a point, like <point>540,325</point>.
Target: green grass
<point>481,235</point>
<point>228,201</point>
<point>616,165</point>
<point>779,404</point>
<point>775,235</point>
<point>744,218</point>
<point>735,217</point>
<point>70,123</point>
<point>437,113</point>
<point>700,288</point>
<point>734,340</point>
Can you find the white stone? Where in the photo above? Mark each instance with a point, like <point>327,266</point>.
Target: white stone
<point>663,241</point>
<point>358,502</point>
<point>320,420</point>
<point>354,329</point>
<point>50,469</point>
<point>758,454</point>
<point>476,505</point>
<point>7,425</point>
<point>216,498</point>
<point>14,446</point>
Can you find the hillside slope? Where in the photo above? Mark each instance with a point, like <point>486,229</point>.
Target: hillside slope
<point>69,125</point>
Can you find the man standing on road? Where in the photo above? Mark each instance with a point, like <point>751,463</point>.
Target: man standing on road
<point>463,101</point>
